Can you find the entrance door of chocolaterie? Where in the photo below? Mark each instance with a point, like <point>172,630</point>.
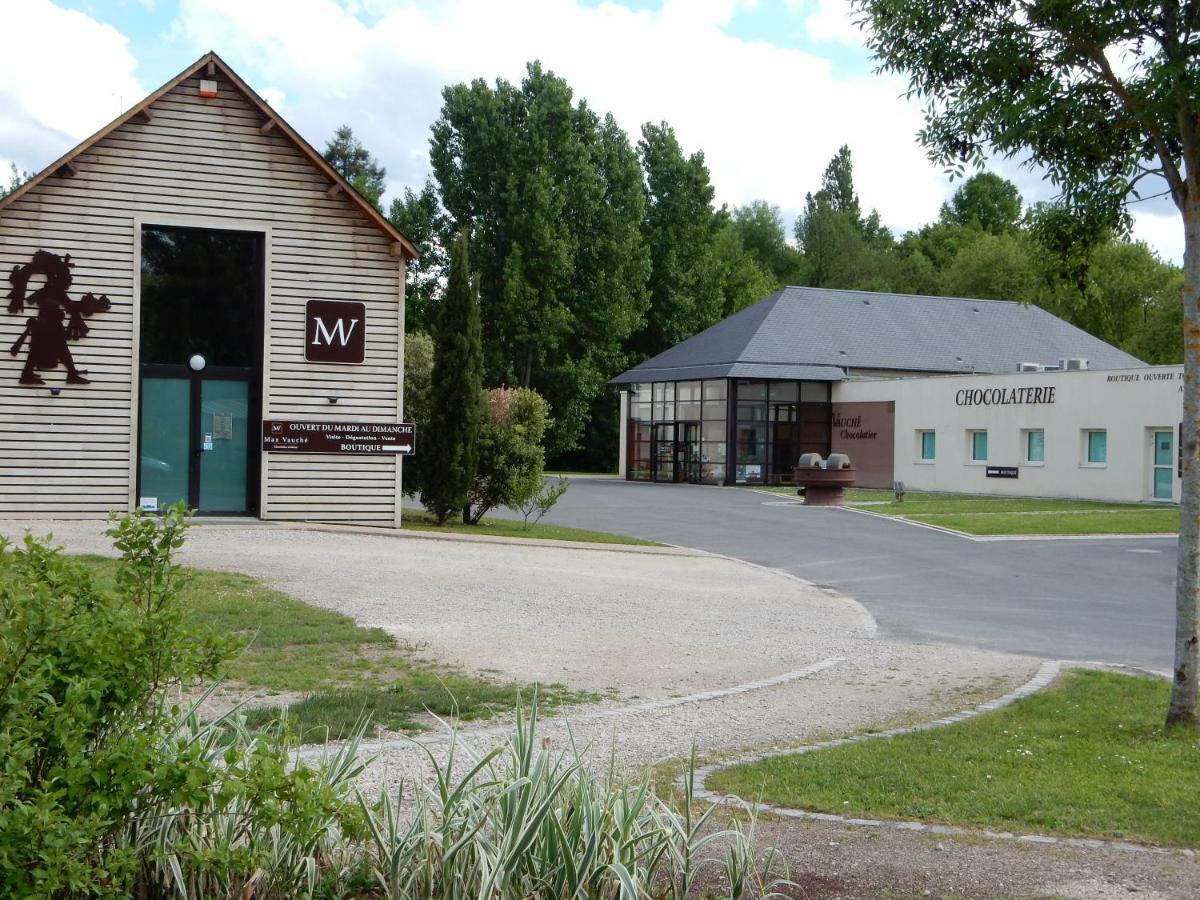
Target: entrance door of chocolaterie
<point>687,452</point>
<point>201,358</point>
<point>1164,465</point>
<point>662,451</point>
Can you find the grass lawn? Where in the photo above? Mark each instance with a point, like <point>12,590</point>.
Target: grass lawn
<point>1088,756</point>
<point>345,671</point>
<point>1142,520</point>
<point>991,515</point>
<point>420,520</point>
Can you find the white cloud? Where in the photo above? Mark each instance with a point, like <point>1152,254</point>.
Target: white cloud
<point>767,117</point>
<point>1163,231</point>
<point>832,21</point>
<point>62,76</point>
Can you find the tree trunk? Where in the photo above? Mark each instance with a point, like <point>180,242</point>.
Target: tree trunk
<point>1186,678</point>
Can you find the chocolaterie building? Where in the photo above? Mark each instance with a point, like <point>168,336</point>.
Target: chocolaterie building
<point>945,394</point>
<point>200,309</point>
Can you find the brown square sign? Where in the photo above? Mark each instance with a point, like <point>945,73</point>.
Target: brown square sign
<point>335,331</point>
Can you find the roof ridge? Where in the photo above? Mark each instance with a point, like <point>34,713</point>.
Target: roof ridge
<point>825,290</point>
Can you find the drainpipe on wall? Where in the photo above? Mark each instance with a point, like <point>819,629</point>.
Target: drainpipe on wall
<point>623,450</point>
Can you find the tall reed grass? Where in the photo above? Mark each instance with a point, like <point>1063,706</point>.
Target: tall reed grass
<point>520,820</point>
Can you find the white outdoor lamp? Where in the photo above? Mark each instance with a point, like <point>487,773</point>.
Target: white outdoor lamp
<point>197,363</point>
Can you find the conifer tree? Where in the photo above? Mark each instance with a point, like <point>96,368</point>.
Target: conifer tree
<point>450,446</point>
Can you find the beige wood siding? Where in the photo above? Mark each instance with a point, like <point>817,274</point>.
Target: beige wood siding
<point>198,162</point>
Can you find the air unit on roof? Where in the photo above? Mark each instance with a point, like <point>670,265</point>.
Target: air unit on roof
<point>1075,364</point>
<point>1029,367</point>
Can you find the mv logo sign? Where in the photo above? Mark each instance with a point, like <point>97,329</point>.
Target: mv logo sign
<point>335,331</point>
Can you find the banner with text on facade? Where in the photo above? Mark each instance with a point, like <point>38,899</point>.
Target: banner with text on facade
<point>338,437</point>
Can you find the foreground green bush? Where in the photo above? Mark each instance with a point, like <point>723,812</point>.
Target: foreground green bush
<point>93,751</point>
<point>107,789</point>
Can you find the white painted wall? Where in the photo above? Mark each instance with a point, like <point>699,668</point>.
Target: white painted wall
<point>1129,404</point>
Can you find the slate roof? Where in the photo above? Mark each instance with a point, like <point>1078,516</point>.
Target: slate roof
<point>817,334</point>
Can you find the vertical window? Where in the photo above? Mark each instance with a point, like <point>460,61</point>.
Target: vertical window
<point>1035,445</point>
<point>1097,447</point>
<point>978,446</point>
<point>928,446</point>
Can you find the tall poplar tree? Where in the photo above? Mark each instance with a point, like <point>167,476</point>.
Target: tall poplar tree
<point>1101,95</point>
<point>551,194</point>
<point>456,407</point>
<point>681,230</point>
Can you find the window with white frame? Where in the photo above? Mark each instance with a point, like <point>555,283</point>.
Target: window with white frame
<point>1035,446</point>
<point>977,444</point>
<point>927,445</point>
<point>1095,447</point>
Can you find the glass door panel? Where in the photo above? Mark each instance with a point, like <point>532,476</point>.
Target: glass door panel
<point>664,452</point>
<point>1164,465</point>
<point>688,450</point>
<point>224,436</point>
<point>166,441</point>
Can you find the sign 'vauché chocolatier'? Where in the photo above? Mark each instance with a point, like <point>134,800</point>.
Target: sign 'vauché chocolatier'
<point>338,437</point>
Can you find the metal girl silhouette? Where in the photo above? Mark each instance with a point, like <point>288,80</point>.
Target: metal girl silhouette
<point>46,332</point>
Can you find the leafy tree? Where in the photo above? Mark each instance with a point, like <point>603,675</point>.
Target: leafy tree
<point>760,226</point>
<point>1101,95</point>
<point>451,442</point>
<point>355,163</point>
<point>743,280</point>
<point>1159,339</point>
<point>511,456</point>
<point>16,178</point>
<point>552,196</point>
<point>841,248</point>
<point>992,267</point>
<point>680,229</point>
<point>985,201</point>
<point>837,186</point>
<point>421,219</point>
<point>418,400</point>
<point>832,243</point>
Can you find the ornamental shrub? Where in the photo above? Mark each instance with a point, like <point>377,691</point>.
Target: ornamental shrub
<point>97,767</point>
<point>511,456</point>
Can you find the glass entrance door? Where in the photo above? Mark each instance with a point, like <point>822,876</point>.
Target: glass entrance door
<point>200,345</point>
<point>166,447</point>
<point>687,452</point>
<point>197,441</point>
<point>662,451</point>
<point>1164,465</point>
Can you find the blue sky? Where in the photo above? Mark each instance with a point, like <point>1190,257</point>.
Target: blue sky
<point>768,90</point>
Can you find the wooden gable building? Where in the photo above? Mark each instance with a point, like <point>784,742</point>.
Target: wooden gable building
<point>189,272</point>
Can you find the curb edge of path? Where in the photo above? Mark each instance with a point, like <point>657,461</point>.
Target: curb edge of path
<point>1046,674</point>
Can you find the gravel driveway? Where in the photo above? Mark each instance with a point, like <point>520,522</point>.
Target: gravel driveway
<point>644,624</point>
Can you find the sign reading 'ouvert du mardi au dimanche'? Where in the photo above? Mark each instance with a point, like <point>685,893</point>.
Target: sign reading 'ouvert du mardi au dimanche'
<point>280,436</point>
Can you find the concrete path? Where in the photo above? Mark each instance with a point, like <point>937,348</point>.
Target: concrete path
<point>1110,599</point>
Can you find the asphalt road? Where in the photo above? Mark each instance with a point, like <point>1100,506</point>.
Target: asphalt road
<point>1110,600</point>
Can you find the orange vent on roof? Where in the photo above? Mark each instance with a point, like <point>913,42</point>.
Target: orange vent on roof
<point>208,88</point>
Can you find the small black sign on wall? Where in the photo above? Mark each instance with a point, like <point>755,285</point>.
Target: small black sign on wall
<point>335,331</point>
<point>1002,472</point>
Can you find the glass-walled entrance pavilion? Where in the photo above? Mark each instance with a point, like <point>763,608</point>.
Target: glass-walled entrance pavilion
<point>724,431</point>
